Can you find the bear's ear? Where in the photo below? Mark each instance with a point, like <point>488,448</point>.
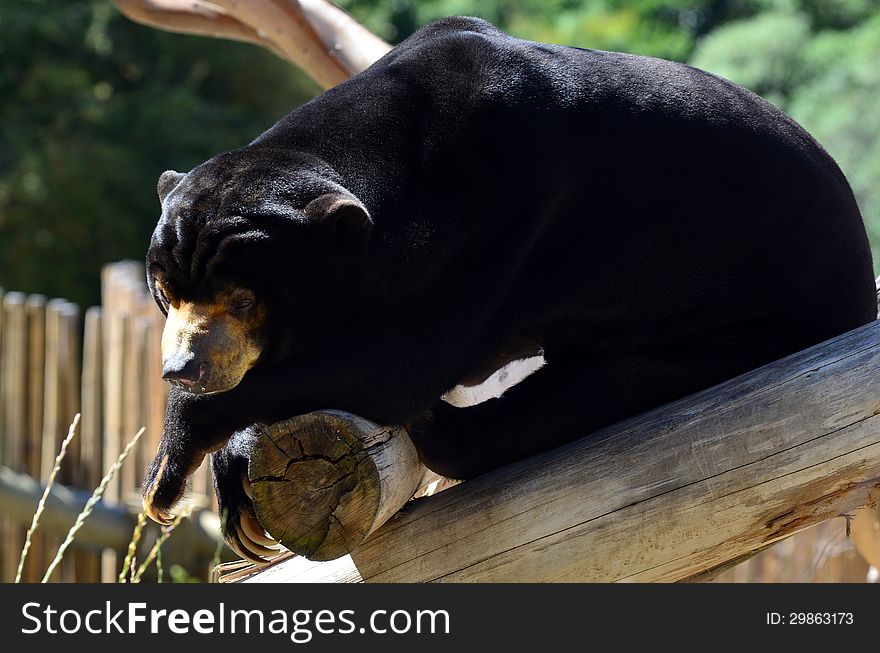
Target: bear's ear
<point>168,181</point>
<point>347,219</point>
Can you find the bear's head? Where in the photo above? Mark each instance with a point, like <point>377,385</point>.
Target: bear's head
<point>256,256</point>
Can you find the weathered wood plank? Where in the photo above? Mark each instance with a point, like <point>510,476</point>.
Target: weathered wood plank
<point>666,495</point>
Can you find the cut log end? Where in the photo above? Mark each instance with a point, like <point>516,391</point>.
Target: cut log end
<point>324,481</point>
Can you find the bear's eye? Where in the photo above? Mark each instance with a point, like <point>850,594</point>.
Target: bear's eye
<point>242,301</point>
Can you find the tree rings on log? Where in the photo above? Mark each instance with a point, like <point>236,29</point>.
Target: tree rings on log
<point>322,482</point>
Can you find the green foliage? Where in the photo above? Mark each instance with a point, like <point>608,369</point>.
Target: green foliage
<point>664,28</point>
<point>181,575</point>
<point>94,108</point>
<point>838,105</point>
<point>763,53</point>
<point>818,62</point>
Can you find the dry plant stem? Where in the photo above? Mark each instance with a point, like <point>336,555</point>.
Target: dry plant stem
<point>90,504</point>
<point>129,562</point>
<point>42,504</point>
<point>166,533</point>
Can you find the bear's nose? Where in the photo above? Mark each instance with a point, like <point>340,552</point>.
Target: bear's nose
<point>184,373</point>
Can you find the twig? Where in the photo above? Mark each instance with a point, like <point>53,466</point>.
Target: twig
<point>42,504</point>
<point>166,533</point>
<point>90,504</point>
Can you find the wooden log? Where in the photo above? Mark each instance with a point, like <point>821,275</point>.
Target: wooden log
<point>665,496</point>
<point>107,527</point>
<point>322,482</point>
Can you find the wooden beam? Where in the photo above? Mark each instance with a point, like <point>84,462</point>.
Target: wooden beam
<point>108,526</point>
<point>665,496</point>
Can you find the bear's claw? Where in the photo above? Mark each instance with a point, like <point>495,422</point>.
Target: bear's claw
<point>158,515</point>
<point>251,544</point>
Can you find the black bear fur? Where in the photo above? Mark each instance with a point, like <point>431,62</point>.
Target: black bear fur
<point>655,228</point>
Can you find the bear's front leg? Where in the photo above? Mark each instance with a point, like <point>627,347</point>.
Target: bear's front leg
<point>194,427</point>
<point>238,520</point>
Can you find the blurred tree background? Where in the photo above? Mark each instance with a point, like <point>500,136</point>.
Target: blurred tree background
<point>95,107</point>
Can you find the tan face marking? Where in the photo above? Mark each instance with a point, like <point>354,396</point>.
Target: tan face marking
<point>219,340</point>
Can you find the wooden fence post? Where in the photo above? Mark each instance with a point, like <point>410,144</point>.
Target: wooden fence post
<point>14,399</point>
<point>35,308</point>
<point>53,364</point>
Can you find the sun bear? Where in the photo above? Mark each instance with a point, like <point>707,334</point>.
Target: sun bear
<point>473,198</point>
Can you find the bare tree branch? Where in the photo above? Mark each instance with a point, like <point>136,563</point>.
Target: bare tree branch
<point>285,25</point>
<point>328,44</point>
<point>192,17</point>
<point>354,45</point>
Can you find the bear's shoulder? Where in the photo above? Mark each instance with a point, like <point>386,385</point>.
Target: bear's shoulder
<point>450,41</point>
